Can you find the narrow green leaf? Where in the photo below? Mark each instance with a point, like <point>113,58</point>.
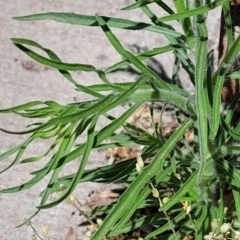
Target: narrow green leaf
<point>201,219</point>
<point>234,75</point>
<point>188,184</point>
<point>50,53</point>
<point>142,3</point>
<point>230,131</point>
<point>18,156</point>
<point>194,12</point>
<point>77,19</point>
<point>227,23</point>
<point>138,4</point>
<point>41,127</point>
<point>27,220</point>
<point>56,64</point>
<point>186,24</point>
<point>89,91</point>
<point>156,218</point>
<point>219,78</point>
<point>21,107</point>
<point>221,213</point>
<point>236,195</point>
<point>14,149</point>
<point>26,185</point>
<point>227,173</point>
<point>31,159</point>
<point>210,85</point>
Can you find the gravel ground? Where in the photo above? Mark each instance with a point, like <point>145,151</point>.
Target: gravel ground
<point>23,80</point>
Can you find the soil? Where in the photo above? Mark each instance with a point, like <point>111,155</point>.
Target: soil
<point>23,80</point>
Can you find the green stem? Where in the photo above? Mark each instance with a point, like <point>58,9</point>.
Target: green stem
<point>201,98</point>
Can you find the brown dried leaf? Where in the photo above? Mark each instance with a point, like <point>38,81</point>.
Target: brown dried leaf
<point>189,135</point>
<point>102,198</point>
<point>121,154</point>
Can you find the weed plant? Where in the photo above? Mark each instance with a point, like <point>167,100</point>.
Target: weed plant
<point>185,181</point>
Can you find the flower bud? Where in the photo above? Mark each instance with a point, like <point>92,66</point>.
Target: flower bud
<point>99,221</point>
<point>71,199</point>
<point>165,200</point>
<point>28,223</point>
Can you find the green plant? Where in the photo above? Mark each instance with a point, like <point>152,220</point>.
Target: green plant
<point>194,171</point>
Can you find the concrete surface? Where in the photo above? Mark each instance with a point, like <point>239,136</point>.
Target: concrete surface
<point>23,80</point>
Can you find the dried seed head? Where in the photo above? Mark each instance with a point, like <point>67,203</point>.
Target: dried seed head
<point>185,205</point>
<point>45,229</point>
<point>71,199</point>
<point>138,168</point>
<point>155,193</point>
<point>189,208</point>
<point>140,161</point>
<point>189,135</point>
<point>99,221</point>
<point>237,235</point>
<point>225,227</point>
<point>213,236</point>
<point>214,224</point>
<point>88,233</point>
